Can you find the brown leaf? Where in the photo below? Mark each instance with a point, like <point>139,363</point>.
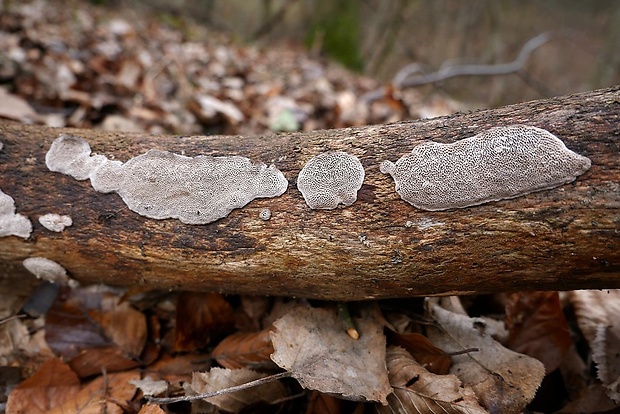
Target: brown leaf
<point>425,353</point>
<point>313,345</point>
<point>323,404</point>
<point>52,385</point>
<point>417,390</point>
<point>83,324</point>
<point>503,380</point>
<point>151,409</point>
<point>537,327</point>
<point>104,394</point>
<point>123,324</point>
<point>201,317</point>
<point>598,316</point>
<point>245,350</point>
<point>221,378</point>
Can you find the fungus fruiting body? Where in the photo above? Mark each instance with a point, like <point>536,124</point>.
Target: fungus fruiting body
<point>499,163</point>
<point>331,179</point>
<point>265,214</point>
<point>12,224</point>
<point>55,222</point>
<point>161,185</point>
<point>49,270</point>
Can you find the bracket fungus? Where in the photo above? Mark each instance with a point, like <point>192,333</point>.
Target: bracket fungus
<point>161,185</point>
<point>55,222</point>
<point>500,163</point>
<point>12,224</point>
<point>330,179</point>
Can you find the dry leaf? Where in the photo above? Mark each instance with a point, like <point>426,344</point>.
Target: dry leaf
<point>503,380</point>
<point>416,390</point>
<point>105,394</point>
<point>423,351</point>
<point>150,386</point>
<point>201,317</point>
<point>594,399</point>
<point>123,324</point>
<point>245,350</point>
<point>323,404</point>
<point>312,344</point>
<point>598,316</point>
<point>72,331</point>
<point>538,327</point>
<point>151,409</point>
<point>221,378</point>
<point>15,108</point>
<point>52,385</point>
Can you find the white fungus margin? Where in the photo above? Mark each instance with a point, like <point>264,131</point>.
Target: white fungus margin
<point>330,179</point>
<point>12,224</point>
<point>500,163</point>
<point>47,269</point>
<point>161,185</point>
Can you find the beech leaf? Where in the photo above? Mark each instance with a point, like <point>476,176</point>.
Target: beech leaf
<point>503,380</point>
<point>598,316</point>
<point>416,390</point>
<point>313,345</point>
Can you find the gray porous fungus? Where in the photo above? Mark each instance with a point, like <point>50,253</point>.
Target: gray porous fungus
<point>49,270</point>
<point>55,222</point>
<point>12,224</point>
<point>330,179</point>
<point>499,163</point>
<point>160,184</point>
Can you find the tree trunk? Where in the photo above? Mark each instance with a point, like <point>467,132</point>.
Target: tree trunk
<point>380,247</point>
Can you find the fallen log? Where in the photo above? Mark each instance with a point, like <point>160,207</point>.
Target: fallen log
<point>380,247</point>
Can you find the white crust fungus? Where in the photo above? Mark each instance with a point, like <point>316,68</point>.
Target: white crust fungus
<point>12,224</point>
<point>55,222</point>
<point>330,179</point>
<point>499,163</point>
<point>161,185</point>
<point>46,269</point>
<point>70,155</point>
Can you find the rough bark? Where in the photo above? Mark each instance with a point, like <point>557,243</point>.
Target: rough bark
<point>565,238</point>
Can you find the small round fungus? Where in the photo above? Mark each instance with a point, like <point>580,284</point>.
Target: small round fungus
<point>70,155</point>
<point>55,222</point>
<point>330,179</point>
<point>12,224</point>
<point>46,269</point>
<point>265,214</point>
<point>499,163</point>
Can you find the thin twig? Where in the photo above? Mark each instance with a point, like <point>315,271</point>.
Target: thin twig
<point>229,390</point>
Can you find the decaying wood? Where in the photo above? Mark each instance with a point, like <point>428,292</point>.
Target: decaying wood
<point>565,238</point>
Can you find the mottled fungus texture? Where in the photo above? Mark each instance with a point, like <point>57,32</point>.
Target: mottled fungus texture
<point>12,224</point>
<point>161,185</point>
<point>499,163</point>
<point>331,179</point>
<point>55,222</point>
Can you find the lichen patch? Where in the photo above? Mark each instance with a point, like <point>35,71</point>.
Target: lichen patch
<point>499,163</point>
<point>12,224</point>
<point>161,185</point>
<point>55,222</point>
<point>331,179</point>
